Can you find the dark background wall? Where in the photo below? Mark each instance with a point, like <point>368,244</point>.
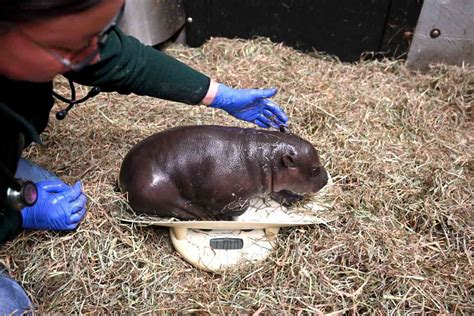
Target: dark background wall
<point>345,28</point>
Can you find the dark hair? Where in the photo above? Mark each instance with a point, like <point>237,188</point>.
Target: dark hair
<point>18,11</point>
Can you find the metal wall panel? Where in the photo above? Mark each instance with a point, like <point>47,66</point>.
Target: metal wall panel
<point>153,21</point>
<point>444,33</point>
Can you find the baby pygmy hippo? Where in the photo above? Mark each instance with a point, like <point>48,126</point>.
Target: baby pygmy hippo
<point>211,172</point>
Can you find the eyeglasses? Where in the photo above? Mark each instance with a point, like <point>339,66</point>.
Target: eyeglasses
<point>71,62</point>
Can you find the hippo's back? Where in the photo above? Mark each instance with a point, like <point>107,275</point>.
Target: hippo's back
<point>176,150</point>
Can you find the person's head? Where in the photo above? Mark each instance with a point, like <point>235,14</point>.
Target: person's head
<point>42,38</point>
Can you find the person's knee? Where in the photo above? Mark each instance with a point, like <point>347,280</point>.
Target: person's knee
<point>13,299</point>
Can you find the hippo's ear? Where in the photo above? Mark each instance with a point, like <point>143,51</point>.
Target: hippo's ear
<point>288,160</point>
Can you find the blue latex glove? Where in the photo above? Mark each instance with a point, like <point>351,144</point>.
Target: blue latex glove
<point>250,105</point>
<point>59,207</point>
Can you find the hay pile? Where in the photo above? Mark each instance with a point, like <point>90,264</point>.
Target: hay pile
<point>398,146</point>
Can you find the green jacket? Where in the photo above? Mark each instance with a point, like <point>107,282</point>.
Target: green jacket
<point>126,66</point>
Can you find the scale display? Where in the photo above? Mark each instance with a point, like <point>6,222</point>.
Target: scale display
<point>226,243</point>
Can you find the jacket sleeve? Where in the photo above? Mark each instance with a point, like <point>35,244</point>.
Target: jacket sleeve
<point>128,66</point>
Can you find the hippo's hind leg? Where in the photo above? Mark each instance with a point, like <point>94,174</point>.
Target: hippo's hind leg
<point>186,210</point>
<point>165,200</point>
<point>286,198</point>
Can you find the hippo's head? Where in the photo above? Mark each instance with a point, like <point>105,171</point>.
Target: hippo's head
<point>298,168</point>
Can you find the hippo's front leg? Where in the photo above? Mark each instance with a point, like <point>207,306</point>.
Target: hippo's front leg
<point>187,210</point>
<point>286,198</point>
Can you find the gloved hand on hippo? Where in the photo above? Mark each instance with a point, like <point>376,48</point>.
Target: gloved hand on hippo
<point>250,105</point>
<point>211,172</point>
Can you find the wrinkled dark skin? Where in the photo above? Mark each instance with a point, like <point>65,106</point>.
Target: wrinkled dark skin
<point>211,172</point>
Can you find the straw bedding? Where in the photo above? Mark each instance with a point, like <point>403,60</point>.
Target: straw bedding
<point>399,148</point>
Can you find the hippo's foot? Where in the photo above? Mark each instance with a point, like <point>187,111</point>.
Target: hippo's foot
<point>286,198</point>
<point>229,212</point>
<point>229,216</point>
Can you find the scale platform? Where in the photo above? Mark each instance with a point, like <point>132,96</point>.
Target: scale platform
<point>219,245</point>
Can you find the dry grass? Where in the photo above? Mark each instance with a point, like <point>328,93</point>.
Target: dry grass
<point>399,147</point>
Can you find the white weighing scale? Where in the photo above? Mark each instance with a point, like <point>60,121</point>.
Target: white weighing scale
<point>219,245</point>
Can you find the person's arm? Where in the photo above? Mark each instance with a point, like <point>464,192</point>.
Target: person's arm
<point>127,66</point>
